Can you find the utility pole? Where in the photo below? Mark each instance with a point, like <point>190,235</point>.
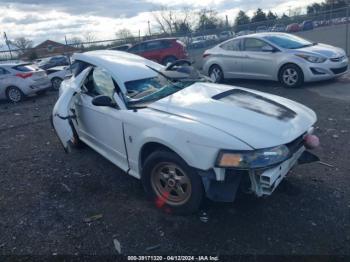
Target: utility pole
<point>226,21</point>
<point>8,44</point>
<point>347,28</point>
<point>149,28</point>
<point>70,62</point>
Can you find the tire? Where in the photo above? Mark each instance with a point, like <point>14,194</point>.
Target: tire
<point>171,184</point>
<point>169,59</point>
<point>291,76</point>
<point>14,94</point>
<point>216,74</point>
<point>56,83</point>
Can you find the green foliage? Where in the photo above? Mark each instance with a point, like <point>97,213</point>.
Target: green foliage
<point>242,18</point>
<point>259,16</point>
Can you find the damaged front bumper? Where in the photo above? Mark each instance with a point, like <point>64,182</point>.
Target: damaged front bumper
<point>223,184</point>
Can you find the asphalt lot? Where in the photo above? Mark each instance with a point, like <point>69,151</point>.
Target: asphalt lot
<point>48,196</point>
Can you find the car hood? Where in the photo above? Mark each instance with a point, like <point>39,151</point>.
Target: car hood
<point>323,50</point>
<point>258,119</point>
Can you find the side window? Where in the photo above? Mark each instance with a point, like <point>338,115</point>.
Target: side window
<point>233,45</point>
<point>99,82</point>
<point>3,71</point>
<point>78,67</point>
<point>153,45</point>
<point>253,44</point>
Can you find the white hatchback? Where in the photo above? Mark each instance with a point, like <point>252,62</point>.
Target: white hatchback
<point>20,80</point>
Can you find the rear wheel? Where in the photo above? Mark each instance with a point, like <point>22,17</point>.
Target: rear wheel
<point>216,74</point>
<point>14,94</point>
<point>171,183</point>
<point>56,83</point>
<point>291,76</point>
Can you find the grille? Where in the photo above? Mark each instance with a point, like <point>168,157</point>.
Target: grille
<point>339,70</point>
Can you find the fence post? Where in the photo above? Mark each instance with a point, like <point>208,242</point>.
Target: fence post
<point>347,29</point>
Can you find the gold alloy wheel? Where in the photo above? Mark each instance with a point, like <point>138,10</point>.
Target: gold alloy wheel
<point>171,184</point>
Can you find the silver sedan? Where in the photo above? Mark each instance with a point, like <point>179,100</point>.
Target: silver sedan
<point>274,56</point>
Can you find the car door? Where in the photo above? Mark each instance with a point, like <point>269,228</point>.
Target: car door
<point>153,51</point>
<point>4,80</point>
<point>63,111</point>
<point>258,63</point>
<point>231,58</point>
<point>101,127</point>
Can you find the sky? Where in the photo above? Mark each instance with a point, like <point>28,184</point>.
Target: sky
<point>39,20</point>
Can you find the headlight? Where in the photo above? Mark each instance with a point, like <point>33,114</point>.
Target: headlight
<point>312,59</point>
<point>252,159</point>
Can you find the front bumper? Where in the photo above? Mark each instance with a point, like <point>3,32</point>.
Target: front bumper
<point>260,182</point>
<point>325,71</point>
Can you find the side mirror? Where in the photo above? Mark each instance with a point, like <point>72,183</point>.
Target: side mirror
<point>103,100</point>
<point>268,48</point>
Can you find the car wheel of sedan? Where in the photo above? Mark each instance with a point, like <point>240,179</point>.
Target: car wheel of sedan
<point>291,76</point>
<point>171,183</point>
<point>56,83</point>
<point>14,94</point>
<point>216,74</point>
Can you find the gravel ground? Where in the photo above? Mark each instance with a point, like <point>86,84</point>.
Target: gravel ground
<point>57,203</point>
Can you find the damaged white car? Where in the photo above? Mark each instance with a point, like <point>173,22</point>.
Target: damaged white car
<point>184,137</point>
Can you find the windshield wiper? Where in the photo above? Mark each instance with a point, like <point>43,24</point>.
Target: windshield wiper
<point>161,73</point>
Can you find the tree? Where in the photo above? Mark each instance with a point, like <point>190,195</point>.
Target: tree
<point>22,44</point>
<point>208,19</point>
<point>258,16</point>
<point>271,16</point>
<point>242,18</point>
<point>314,8</point>
<point>124,34</point>
<point>75,41</point>
<point>170,22</point>
<point>89,37</point>
<point>164,19</point>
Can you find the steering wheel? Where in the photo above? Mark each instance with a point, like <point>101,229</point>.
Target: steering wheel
<point>178,63</point>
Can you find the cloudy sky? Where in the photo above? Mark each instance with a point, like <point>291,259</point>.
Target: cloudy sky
<point>43,19</point>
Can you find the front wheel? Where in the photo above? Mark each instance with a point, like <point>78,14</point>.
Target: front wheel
<point>216,74</point>
<point>291,76</point>
<point>171,183</point>
<point>56,83</point>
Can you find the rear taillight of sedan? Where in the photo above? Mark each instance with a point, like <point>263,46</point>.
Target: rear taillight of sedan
<point>205,55</point>
<point>24,75</point>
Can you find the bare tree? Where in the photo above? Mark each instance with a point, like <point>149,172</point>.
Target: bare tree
<point>169,21</point>
<point>89,37</point>
<point>75,41</point>
<point>22,44</point>
<point>125,35</point>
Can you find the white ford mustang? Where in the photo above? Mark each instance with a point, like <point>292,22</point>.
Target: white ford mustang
<point>184,137</point>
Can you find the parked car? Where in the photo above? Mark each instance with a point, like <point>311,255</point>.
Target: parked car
<point>278,28</point>
<point>176,131</point>
<point>292,28</point>
<point>261,29</point>
<point>57,75</point>
<point>20,80</point>
<point>307,25</point>
<point>164,51</point>
<point>121,47</point>
<point>47,63</point>
<point>275,56</point>
<point>224,35</point>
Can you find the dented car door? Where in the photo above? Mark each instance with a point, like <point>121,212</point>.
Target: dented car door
<point>63,112</point>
